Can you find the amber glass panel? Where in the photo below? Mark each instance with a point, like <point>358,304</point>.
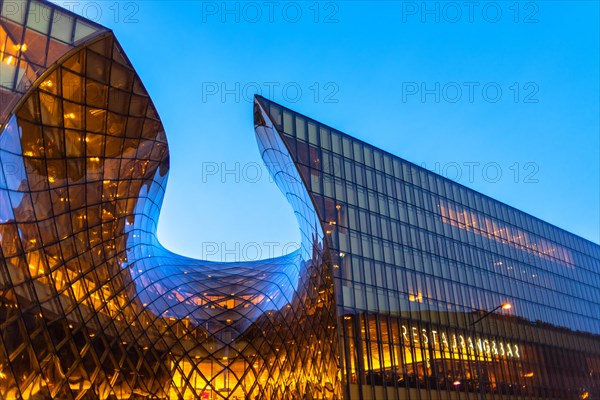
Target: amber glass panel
<point>108,311</point>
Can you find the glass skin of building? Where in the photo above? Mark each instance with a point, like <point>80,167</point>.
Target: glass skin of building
<point>417,259</point>
<point>91,305</point>
<point>394,265</point>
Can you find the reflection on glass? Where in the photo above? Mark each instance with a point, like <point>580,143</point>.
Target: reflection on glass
<point>417,259</point>
<point>108,311</point>
<point>378,302</point>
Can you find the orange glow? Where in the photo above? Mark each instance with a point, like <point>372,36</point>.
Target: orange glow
<point>418,298</point>
<point>78,268</point>
<point>506,306</point>
<point>528,375</point>
<point>22,47</point>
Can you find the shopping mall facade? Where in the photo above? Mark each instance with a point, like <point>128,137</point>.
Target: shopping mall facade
<point>388,296</point>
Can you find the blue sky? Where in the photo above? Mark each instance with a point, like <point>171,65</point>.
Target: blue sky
<point>502,97</point>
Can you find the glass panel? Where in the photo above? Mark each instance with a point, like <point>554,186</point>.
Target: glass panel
<point>82,30</point>
<point>62,26</point>
<point>39,17</point>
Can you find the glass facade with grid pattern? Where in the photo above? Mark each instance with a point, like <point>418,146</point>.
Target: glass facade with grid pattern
<point>91,305</point>
<point>386,297</point>
<point>417,259</point>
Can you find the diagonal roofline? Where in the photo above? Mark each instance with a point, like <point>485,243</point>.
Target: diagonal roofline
<point>420,168</point>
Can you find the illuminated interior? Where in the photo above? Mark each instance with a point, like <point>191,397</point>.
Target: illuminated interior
<point>106,311</point>
<point>400,289</point>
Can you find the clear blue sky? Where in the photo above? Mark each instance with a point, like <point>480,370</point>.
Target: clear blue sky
<point>362,67</point>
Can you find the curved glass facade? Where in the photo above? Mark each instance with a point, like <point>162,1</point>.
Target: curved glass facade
<point>91,305</point>
<point>381,300</point>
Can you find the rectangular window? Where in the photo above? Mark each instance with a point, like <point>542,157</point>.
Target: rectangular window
<point>300,128</point>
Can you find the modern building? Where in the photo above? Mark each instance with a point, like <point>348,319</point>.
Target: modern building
<point>388,297</point>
